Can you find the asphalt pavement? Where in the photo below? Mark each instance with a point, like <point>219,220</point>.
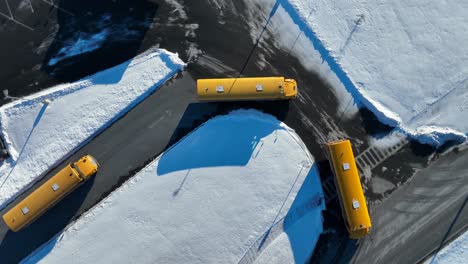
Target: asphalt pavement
<point>420,217</point>
<point>173,111</point>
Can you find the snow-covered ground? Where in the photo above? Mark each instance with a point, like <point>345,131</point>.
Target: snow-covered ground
<point>304,234</point>
<point>40,135</point>
<point>240,187</point>
<point>455,252</point>
<point>404,60</point>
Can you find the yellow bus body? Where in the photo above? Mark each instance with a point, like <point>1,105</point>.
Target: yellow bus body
<point>352,200</point>
<point>258,88</point>
<point>49,193</point>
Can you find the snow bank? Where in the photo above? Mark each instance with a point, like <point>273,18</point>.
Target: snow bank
<point>208,199</point>
<point>77,112</point>
<point>404,60</point>
<point>455,252</point>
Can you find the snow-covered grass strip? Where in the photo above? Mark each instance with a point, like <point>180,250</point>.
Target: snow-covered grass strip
<point>77,112</point>
<point>207,199</point>
<point>455,252</point>
<point>400,59</point>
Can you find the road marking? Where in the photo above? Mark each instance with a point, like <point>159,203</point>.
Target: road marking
<point>8,6</point>
<point>373,156</point>
<point>365,159</point>
<point>376,153</point>
<point>12,18</point>
<point>156,122</point>
<point>166,113</point>
<point>58,7</point>
<point>30,6</point>
<point>329,189</point>
<point>370,157</point>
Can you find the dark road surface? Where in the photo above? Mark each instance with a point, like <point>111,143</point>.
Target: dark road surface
<point>421,216</point>
<point>414,222</point>
<point>173,111</point>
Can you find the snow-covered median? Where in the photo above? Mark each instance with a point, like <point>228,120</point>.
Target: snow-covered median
<point>455,252</point>
<point>404,60</point>
<point>77,112</point>
<point>221,194</point>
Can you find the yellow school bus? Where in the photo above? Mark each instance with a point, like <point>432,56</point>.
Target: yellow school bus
<point>258,88</point>
<point>49,193</point>
<point>352,200</point>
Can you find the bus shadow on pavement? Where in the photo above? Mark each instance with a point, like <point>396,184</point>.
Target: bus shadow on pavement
<point>334,244</point>
<point>15,246</point>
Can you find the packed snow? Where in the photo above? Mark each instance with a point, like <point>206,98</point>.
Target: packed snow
<point>39,135</point>
<point>404,60</point>
<point>226,192</point>
<point>455,252</point>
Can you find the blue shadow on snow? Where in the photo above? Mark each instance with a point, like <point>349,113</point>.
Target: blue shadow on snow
<point>112,75</point>
<point>303,222</point>
<point>36,122</point>
<point>207,147</point>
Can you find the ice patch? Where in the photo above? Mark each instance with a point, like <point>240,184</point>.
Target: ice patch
<point>84,44</point>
